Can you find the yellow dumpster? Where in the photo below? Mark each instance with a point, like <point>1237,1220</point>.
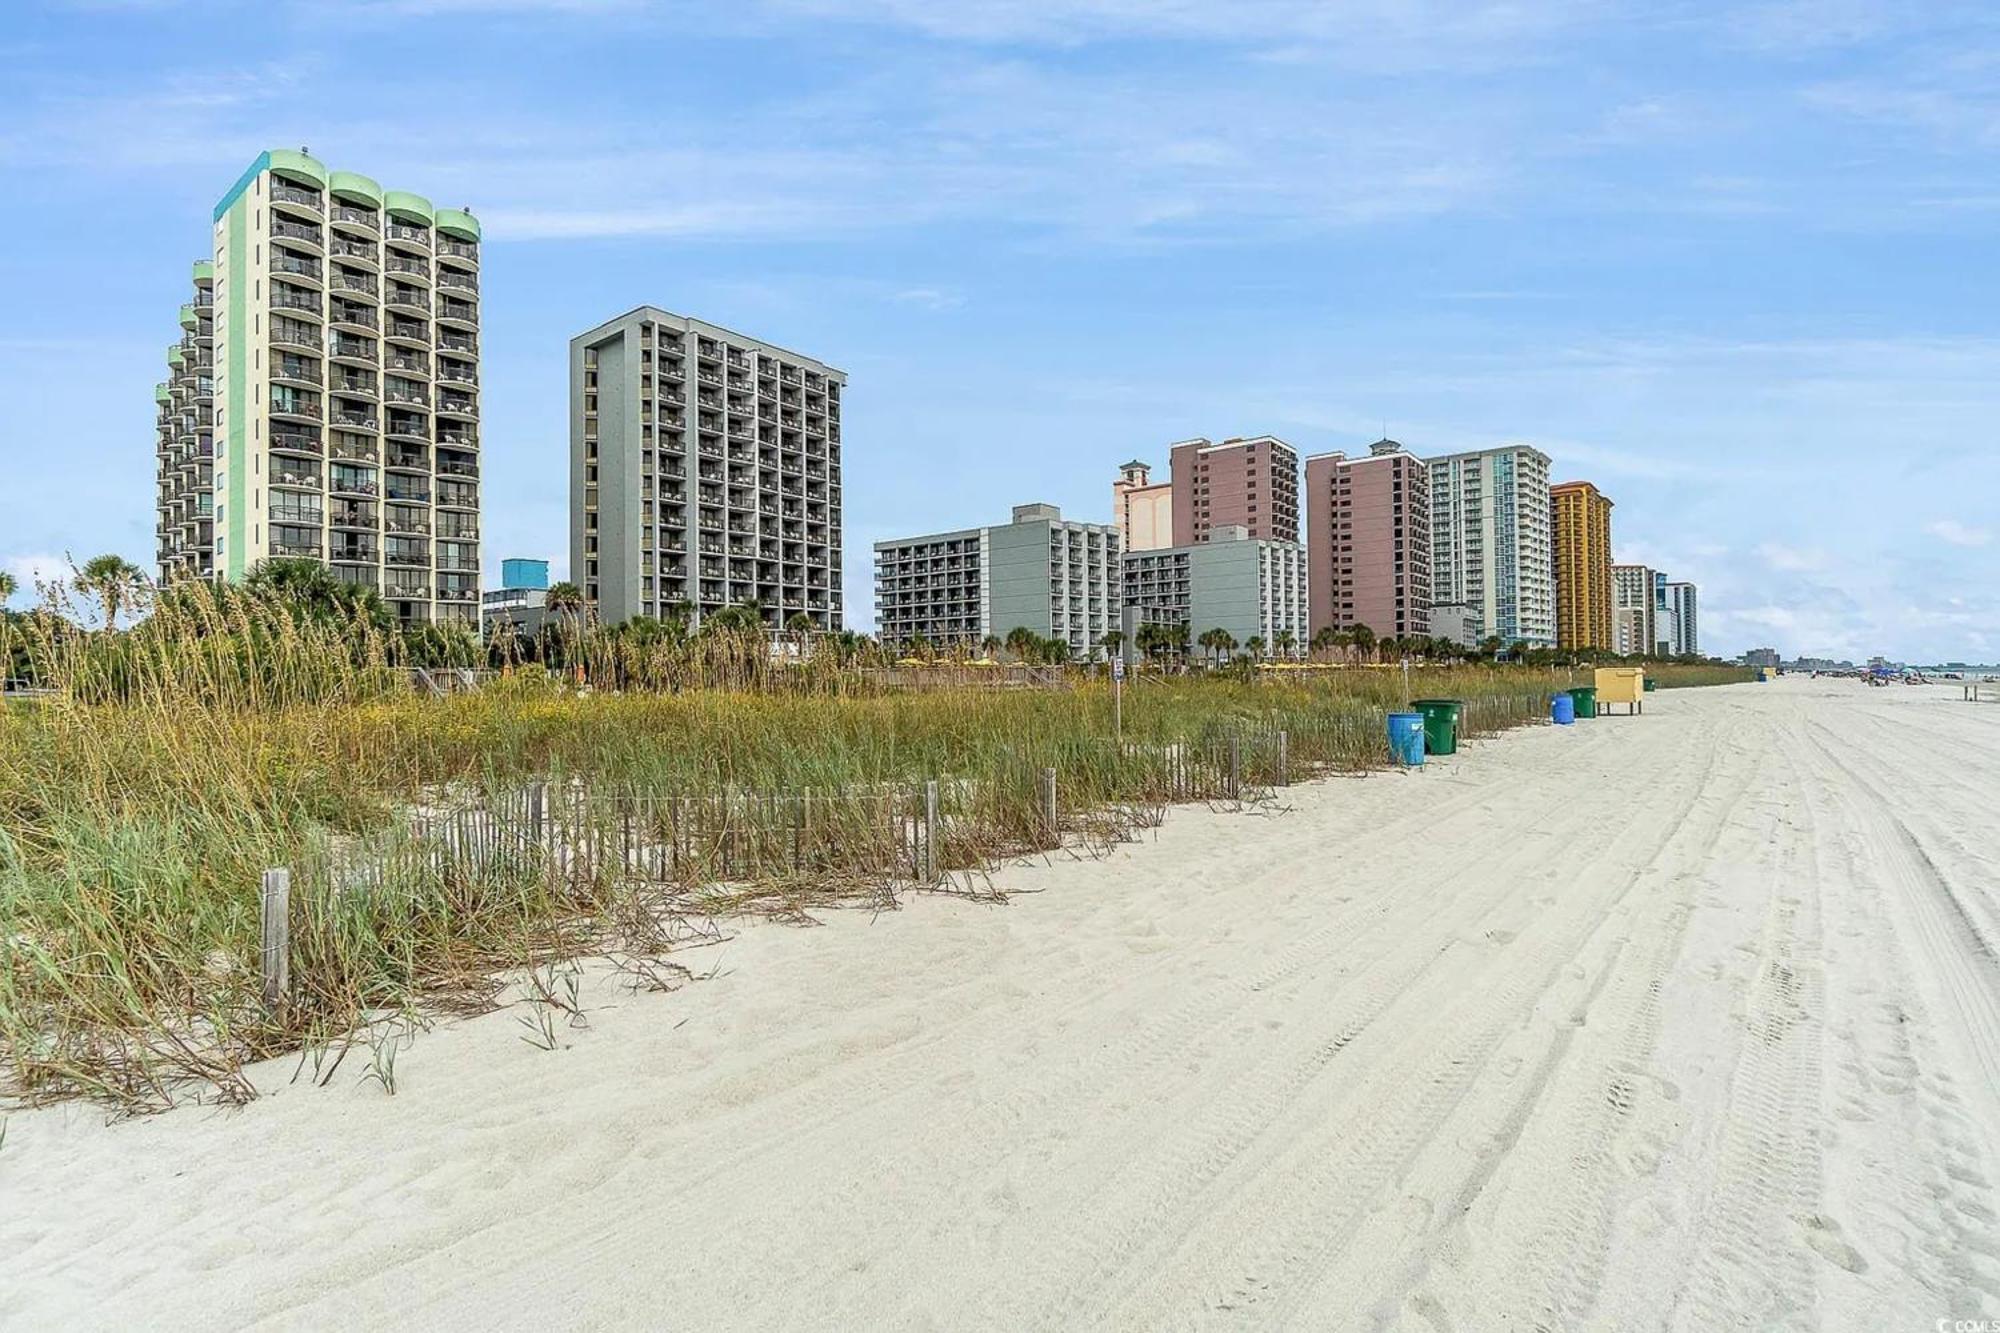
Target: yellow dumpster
<point>1621,685</point>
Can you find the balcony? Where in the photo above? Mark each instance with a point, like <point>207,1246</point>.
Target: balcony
<point>289,298</point>
<point>408,265</point>
<point>295,266</point>
<point>295,407</point>
<point>455,280</point>
<point>400,392</point>
<point>357,217</point>
<point>286,474</point>
<point>409,298</point>
<point>358,316</point>
<point>458,342</point>
<point>345,347</point>
<point>352,251</point>
<point>406,589</point>
<point>355,449</point>
<point>354,553</point>
<point>350,419</point>
<point>297,372</point>
<point>456,372</point>
<point>457,249</point>
<point>457,438</point>
<point>413,524</point>
<point>409,234</point>
<point>302,233</point>
<point>414,362</point>
<point>457,467</point>
<point>296,442</point>
<point>458,404</point>
<point>284,192</point>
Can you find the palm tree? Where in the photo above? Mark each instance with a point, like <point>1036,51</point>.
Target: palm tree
<point>563,599</point>
<point>1286,643</point>
<point>1112,641</point>
<point>112,580</point>
<point>801,626</point>
<point>1363,639</point>
<point>1021,641</point>
<point>7,587</point>
<point>990,645</point>
<point>1255,647</point>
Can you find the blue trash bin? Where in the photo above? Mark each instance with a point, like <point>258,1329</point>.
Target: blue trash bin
<point>1562,710</point>
<point>1406,739</point>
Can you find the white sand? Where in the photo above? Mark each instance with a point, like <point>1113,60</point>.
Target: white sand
<point>1684,1021</point>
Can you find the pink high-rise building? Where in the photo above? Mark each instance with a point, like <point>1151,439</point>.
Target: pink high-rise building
<point>1249,483</point>
<point>1142,508</point>
<point>1368,541</point>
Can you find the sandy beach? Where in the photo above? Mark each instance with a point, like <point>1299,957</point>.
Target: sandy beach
<point>1683,1021</point>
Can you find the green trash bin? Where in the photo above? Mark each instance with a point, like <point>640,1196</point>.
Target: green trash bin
<point>1586,701</point>
<point>1651,684</point>
<point>1440,724</point>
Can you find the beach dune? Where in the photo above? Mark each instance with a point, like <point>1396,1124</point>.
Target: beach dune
<point>1688,1021</point>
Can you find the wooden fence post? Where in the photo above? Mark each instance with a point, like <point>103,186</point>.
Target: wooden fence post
<point>1284,760</point>
<point>930,831</point>
<point>1049,805</point>
<point>275,955</point>
<point>1235,767</point>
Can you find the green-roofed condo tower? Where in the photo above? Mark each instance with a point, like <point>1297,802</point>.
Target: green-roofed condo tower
<point>343,389</point>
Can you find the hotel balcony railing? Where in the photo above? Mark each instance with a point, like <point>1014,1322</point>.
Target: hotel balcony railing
<point>407,589</point>
<point>459,342</point>
<point>297,265</point>
<point>293,194</point>
<point>404,359</point>
<point>359,217</point>
<point>456,280</point>
<point>356,420</point>
<point>356,282</point>
<point>355,314</point>
<point>458,249</point>
<point>403,231</point>
<point>457,372</point>
<point>411,297</point>
<point>408,264</point>
<point>290,230</point>
<point>288,300</point>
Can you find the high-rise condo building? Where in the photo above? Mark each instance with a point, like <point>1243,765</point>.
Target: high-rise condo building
<point>1634,622</point>
<point>1142,509</point>
<point>704,472</point>
<point>1368,541</point>
<point>346,391</point>
<point>186,402</point>
<point>1248,587</point>
<point>1251,483</point>
<point>1580,530</point>
<point>1041,572</point>
<point>1681,602</point>
<point>1490,541</point>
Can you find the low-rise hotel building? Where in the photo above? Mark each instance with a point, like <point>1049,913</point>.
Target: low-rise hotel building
<point>1246,586</point>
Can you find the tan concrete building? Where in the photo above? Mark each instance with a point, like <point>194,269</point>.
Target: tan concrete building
<point>1368,541</point>
<point>1252,483</point>
<point>1142,508</point>
<point>1634,609</point>
<point>1580,533</point>
<point>705,472</point>
<point>345,332</point>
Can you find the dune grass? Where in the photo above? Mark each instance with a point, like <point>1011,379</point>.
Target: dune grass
<point>438,842</point>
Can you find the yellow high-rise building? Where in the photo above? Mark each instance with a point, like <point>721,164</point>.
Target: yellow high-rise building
<point>1580,523</point>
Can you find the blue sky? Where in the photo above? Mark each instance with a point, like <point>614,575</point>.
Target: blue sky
<point>1733,263</point>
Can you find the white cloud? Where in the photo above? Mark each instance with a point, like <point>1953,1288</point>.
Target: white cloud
<point>1791,559</point>
<point>1957,533</point>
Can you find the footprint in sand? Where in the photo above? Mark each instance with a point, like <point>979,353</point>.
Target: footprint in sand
<point>1823,1234</point>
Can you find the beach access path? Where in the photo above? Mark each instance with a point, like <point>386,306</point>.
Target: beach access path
<point>1686,1021</point>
